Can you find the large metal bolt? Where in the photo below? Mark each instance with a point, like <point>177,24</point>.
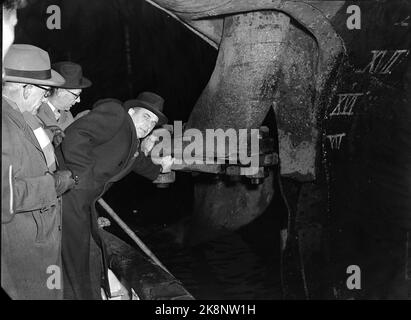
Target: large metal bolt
<point>256,181</point>
<point>258,178</point>
<point>165,179</point>
<point>264,132</point>
<point>269,159</point>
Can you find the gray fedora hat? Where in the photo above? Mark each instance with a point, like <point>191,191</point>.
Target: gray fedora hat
<point>25,63</point>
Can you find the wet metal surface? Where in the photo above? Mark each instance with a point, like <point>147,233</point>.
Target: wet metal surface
<point>238,96</point>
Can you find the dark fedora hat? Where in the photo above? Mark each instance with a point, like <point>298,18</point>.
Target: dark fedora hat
<point>149,101</point>
<point>25,63</point>
<point>73,74</point>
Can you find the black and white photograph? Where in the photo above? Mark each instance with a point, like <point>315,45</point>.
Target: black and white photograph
<point>228,152</point>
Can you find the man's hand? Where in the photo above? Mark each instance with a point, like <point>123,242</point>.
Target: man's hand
<point>103,222</point>
<point>166,163</point>
<point>81,114</point>
<point>148,143</point>
<point>58,134</point>
<point>63,181</point>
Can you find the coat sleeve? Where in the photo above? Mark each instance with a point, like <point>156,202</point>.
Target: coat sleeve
<point>82,136</point>
<point>145,167</point>
<point>65,120</point>
<point>19,193</point>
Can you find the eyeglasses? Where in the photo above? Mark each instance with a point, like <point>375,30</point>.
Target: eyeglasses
<point>75,95</point>
<point>47,89</point>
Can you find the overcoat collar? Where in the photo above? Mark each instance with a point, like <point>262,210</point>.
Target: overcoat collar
<point>17,117</point>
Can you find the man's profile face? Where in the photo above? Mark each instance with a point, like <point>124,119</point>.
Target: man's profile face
<point>32,98</point>
<point>144,120</point>
<point>64,99</point>
<point>9,22</point>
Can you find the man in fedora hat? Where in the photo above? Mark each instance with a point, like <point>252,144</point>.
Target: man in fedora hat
<point>31,186</point>
<point>55,113</point>
<point>101,148</point>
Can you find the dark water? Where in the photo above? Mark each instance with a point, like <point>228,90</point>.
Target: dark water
<point>224,268</point>
<point>244,264</point>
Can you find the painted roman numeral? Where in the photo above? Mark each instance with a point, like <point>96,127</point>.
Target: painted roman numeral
<point>346,103</point>
<point>384,61</point>
<point>335,140</point>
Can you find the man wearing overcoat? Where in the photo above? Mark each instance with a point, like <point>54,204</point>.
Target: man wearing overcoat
<point>101,148</point>
<point>31,188</point>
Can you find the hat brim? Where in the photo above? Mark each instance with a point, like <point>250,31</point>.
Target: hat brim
<point>55,80</point>
<point>84,83</point>
<point>162,119</point>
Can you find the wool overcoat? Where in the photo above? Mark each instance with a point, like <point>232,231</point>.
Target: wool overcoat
<point>100,148</point>
<point>31,215</point>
